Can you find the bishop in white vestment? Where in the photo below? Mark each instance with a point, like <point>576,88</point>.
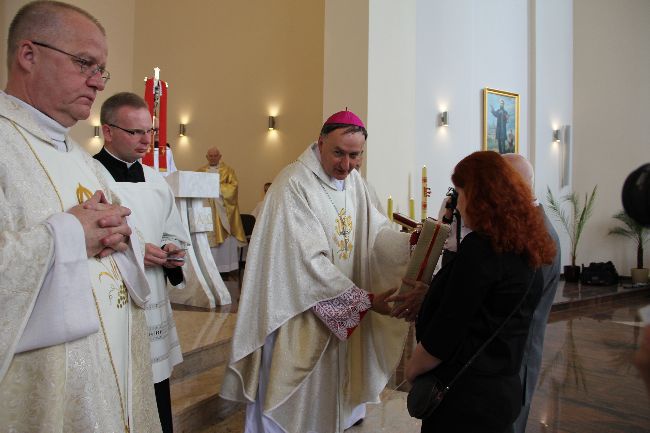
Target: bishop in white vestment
<point>307,351</point>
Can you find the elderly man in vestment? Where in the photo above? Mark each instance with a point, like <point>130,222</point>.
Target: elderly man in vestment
<point>307,351</point>
<point>127,130</point>
<point>228,232</point>
<point>73,332</point>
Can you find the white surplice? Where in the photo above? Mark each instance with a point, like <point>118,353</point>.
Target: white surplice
<point>157,221</point>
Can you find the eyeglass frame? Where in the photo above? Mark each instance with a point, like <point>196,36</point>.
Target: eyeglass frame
<point>84,64</point>
<point>133,132</point>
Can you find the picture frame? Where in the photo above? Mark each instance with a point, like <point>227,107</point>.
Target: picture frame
<point>500,121</point>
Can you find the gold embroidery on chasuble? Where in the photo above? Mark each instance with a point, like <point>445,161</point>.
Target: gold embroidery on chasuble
<point>83,193</point>
<point>116,288</point>
<point>342,231</point>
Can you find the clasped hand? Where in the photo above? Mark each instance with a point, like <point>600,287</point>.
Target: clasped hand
<point>104,224</point>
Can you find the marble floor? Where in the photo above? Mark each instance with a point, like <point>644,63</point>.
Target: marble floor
<point>587,383</point>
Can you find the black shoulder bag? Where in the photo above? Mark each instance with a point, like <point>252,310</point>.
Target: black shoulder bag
<point>428,391</point>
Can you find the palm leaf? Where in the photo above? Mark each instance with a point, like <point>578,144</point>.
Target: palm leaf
<point>575,223</point>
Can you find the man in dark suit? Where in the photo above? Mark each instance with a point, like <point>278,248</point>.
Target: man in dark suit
<point>532,359</point>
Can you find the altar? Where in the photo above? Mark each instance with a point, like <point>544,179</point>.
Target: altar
<point>204,286</point>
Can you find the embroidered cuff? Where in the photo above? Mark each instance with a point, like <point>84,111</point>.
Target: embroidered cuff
<point>344,313</point>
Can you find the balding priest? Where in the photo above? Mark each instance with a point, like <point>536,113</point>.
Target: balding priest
<point>313,342</point>
<point>228,231</point>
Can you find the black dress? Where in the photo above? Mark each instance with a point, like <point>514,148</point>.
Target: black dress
<point>467,301</point>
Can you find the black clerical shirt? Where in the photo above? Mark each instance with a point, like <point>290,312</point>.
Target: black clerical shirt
<point>119,169</point>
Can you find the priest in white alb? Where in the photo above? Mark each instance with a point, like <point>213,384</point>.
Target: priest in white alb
<point>127,129</point>
<point>313,342</point>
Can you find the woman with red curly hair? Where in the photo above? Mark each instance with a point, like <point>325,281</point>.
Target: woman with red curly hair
<point>471,296</point>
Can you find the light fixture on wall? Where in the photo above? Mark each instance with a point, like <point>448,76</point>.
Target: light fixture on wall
<point>96,131</point>
<point>181,130</point>
<point>271,123</point>
<point>556,135</point>
<point>444,118</point>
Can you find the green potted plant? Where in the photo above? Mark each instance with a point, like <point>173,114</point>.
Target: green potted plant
<point>640,235</point>
<point>573,222</point>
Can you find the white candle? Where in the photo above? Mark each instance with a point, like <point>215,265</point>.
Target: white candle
<point>424,192</point>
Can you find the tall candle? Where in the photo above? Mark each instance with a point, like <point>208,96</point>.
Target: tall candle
<point>412,208</point>
<point>425,192</point>
<point>389,208</point>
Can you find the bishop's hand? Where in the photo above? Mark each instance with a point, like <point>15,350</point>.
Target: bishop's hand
<point>380,303</point>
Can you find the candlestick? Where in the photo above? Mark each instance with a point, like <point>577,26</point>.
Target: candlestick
<point>410,193</point>
<point>389,208</point>
<point>425,192</point>
<point>412,208</point>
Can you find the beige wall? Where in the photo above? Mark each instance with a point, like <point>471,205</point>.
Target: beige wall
<point>229,66</point>
<point>117,17</point>
<point>612,108</point>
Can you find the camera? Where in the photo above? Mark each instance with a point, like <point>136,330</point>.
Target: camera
<point>451,204</point>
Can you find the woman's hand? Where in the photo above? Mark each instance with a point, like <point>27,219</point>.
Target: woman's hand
<point>380,304</point>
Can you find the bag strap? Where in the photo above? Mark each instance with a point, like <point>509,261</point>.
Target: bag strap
<point>480,349</point>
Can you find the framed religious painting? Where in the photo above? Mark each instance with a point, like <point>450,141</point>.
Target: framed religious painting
<point>500,121</point>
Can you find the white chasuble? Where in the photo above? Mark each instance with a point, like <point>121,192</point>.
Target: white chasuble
<point>110,293</point>
<point>313,243</point>
<point>72,386</point>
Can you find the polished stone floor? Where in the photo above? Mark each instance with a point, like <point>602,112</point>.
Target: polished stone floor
<point>587,384</point>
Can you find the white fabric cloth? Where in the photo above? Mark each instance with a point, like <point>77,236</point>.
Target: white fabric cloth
<point>226,255</point>
<point>69,386</point>
<point>257,422</point>
<point>297,258</point>
<point>258,207</point>
<point>156,218</point>
<point>171,166</point>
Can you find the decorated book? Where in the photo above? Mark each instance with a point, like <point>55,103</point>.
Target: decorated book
<point>427,252</point>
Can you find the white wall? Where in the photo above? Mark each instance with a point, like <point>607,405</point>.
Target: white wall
<point>612,112</point>
<point>464,46</point>
<point>552,93</point>
<point>391,99</point>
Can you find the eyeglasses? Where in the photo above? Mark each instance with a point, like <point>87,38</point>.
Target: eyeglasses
<point>140,132</point>
<point>87,67</point>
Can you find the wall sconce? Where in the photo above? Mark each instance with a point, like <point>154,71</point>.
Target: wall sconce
<point>556,135</point>
<point>96,131</point>
<point>271,123</point>
<point>181,130</point>
<point>444,118</point>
